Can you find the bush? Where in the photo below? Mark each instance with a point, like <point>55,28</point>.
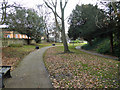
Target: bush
<point>117,50</point>
<point>104,47</point>
<point>95,43</point>
<point>86,47</point>
<point>15,45</point>
<point>99,45</point>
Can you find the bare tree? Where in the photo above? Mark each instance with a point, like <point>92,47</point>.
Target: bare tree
<point>43,11</point>
<point>4,5</point>
<point>3,9</point>
<point>53,6</point>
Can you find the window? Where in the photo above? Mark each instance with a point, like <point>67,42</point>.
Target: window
<point>23,36</point>
<point>8,36</point>
<point>16,36</point>
<point>20,36</point>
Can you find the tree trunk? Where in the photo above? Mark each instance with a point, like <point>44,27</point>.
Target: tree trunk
<point>66,49</point>
<point>65,42</point>
<point>48,38</point>
<point>62,20</point>
<point>57,27</point>
<point>47,34</point>
<point>111,33</point>
<point>90,42</point>
<point>5,13</point>
<point>28,41</point>
<point>119,71</point>
<point>4,9</point>
<point>111,43</point>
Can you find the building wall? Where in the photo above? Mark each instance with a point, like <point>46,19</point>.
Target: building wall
<point>11,34</point>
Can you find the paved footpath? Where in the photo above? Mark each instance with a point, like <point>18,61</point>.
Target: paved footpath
<point>97,54</point>
<point>30,73</point>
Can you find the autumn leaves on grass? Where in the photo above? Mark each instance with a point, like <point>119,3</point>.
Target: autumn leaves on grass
<point>11,56</point>
<point>80,70</point>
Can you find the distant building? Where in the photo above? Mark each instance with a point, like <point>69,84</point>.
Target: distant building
<point>12,34</point>
<point>55,36</point>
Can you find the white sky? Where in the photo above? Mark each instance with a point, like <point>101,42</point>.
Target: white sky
<point>70,6</point>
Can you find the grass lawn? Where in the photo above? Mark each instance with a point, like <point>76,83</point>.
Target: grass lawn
<point>48,44</point>
<point>13,55</point>
<point>80,70</point>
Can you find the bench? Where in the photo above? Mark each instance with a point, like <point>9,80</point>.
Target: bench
<point>4,73</point>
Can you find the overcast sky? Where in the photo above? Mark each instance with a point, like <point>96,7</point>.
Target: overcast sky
<point>70,6</point>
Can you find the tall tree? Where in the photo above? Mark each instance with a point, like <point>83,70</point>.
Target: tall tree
<point>112,20</point>
<point>4,11</point>
<point>26,22</point>
<point>110,25</point>
<point>83,22</point>
<point>116,8</point>
<point>56,32</point>
<point>53,7</point>
<point>5,7</point>
<point>43,11</point>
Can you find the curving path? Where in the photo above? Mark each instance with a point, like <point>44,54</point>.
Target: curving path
<point>30,73</point>
<point>97,54</point>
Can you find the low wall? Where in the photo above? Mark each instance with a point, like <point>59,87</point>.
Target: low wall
<point>7,42</point>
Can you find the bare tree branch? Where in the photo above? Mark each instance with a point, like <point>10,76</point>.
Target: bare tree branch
<point>49,2</point>
<point>52,3</point>
<point>61,4</point>
<point>66,1</point>
<point>66,49</point>
<point>56,2</point>
<point>66,18</point>
<point>52,9</point>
